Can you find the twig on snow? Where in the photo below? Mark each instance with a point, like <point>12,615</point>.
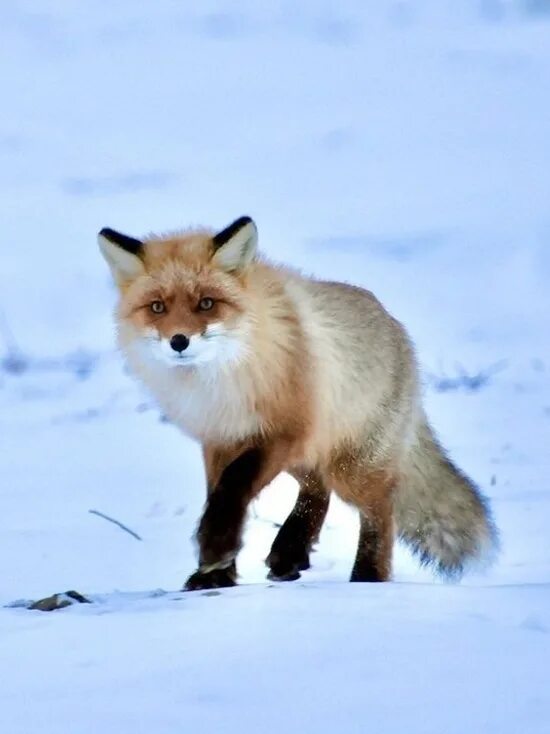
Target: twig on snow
<point>116,522</point>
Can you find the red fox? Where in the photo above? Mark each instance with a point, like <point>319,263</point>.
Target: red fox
<point>272,371</point>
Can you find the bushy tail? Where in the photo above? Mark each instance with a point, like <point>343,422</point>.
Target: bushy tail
<point>440,513</point>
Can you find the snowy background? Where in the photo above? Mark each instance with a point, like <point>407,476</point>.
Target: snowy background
<point>399,144</point>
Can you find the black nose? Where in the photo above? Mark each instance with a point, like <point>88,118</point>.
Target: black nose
<point>179,342</point>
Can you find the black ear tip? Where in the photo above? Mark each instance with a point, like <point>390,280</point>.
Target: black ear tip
<point>226,234</point>
<point>130,244</point>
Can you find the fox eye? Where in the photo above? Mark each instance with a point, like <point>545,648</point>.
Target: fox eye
<point>205,304</point>
<point>157,307</point>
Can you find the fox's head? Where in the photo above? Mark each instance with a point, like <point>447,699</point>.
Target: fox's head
<point>183,298</point>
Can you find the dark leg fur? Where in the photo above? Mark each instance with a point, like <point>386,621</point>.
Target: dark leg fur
<point>290,551</point>
<point>220,530</point>
<point>370,490</point>
<point>372,562</point>
<point>219,533</point>
<point>216,579</point>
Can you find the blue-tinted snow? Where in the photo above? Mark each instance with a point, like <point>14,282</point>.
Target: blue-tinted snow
<point>400,145</point>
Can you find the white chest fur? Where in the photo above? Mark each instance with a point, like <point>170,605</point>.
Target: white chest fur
<point>210,405</point>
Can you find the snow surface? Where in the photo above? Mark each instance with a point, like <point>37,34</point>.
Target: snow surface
<point>400,145</point>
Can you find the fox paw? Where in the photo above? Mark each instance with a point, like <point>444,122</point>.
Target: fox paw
<point>286,566</point>
<point>216,579</point>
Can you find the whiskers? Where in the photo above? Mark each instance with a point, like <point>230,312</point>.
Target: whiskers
<point>150,335</point>
<point>218,349</point>
<point>214,331</point>
<point>230,346</point>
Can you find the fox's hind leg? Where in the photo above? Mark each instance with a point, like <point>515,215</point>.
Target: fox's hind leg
<point>374,550</point>
<point>371,491</point>
<point>290,550</point>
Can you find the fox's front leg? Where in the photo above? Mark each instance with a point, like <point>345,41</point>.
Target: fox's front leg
<point>230,491</point>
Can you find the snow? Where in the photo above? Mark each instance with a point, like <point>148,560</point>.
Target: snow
<point>399,145</point>
<point>311,657</point>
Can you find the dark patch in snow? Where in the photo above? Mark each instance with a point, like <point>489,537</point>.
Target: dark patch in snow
<point>492,10</point>
<point>402,14</point>
<point>111,185</point>
<point>45,31</point>
<point>131,30</point>
<point>14,363</point>
<point>228,26</point>
<point>326,27</point>
<point>81,363</point>
<point>11,142</point>
<point>463,380</point>
<point>534,624</point>
<point>536,8</point>
<point>337,139</point>
<point>223,26</point>
<point>401,249</point>
<point>334,31</point>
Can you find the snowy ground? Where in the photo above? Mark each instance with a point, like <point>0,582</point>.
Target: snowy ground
<point>400,145</point>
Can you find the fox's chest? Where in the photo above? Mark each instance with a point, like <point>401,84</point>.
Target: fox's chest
<point>216,409</point>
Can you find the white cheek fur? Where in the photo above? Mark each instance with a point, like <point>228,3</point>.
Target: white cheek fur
<point>217,347</point>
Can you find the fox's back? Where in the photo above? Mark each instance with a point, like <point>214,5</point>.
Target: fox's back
<point>365,375</point>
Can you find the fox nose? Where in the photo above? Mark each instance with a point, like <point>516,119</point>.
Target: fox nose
<point>179,342</point>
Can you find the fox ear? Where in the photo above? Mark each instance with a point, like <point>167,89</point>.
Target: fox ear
<point>235,246</point>
<point>122,253</point>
